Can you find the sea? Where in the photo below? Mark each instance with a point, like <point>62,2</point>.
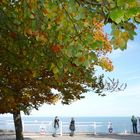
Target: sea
<point>83,124</point>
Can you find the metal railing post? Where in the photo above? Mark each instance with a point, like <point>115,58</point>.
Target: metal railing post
<point>61,133</point>
<point>23,126</point>
<point>94,125</point>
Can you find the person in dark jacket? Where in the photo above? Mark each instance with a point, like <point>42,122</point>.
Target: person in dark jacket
<point>72,127</point>
<point>134,124</point>
<point>55,125</point>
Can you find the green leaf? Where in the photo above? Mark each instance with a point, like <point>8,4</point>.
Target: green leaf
<point>121,2</point>
<point>119,43</point>
<point>132,34</point>
<point>17,22</point>
<point>86,63</point>
<point>81,14</point>
<point>55,70</point>
<point>93,56</point>
<point>137,19</point>
<point>52,66</point>
<point>79,54</point>
<point>76,62</point>
<point>97,44</point>
<point>43,27</point>
<point>33,25</point>
<point>132,12</point>
<point>117,15</point>
<point>60,64</point>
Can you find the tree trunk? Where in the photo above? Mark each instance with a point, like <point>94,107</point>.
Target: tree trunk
<point>18,125</point>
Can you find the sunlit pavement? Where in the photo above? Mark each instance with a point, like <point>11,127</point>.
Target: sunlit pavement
<point>77,137</point>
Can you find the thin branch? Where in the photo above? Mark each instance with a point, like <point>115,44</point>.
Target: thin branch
<point>71,19</point>
<point>113,85</point>
<point>94,3</point>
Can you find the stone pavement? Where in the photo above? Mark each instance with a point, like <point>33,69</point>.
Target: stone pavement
<point>77,137</point>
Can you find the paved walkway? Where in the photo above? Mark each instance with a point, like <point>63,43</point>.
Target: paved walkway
<point>78,137</point>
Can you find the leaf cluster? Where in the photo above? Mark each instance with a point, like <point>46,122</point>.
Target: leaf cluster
<point>56,44</point>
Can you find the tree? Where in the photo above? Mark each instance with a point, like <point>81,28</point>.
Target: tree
<point>57,44</point>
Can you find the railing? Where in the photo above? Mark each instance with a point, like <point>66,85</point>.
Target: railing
<point>46,127</point>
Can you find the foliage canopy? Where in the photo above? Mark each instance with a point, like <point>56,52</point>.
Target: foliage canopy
<point>57,44</point>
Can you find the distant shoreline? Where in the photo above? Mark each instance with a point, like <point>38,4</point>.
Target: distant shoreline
<point>10,115</point>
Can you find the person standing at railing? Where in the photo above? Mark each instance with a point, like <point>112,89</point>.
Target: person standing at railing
<point>139,125</point>
<point>134,124</point>
<point>110,128</point>
<point>56,126</point>
<point>72,127</point>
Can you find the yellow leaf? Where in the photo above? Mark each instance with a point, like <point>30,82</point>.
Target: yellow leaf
<point>86,23</point>
<point>106,64</point>
<point>49,26</point>
<point>37,37</point>
<point>32,16</point>
<point>34,73</point>
<point>45,12</point>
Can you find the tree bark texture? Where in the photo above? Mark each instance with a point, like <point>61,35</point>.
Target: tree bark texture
<point>18,125</point>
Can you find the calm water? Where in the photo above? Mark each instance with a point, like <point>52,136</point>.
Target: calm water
<point>83,124</point>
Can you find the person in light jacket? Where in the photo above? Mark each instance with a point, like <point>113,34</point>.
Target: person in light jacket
<point>110,128</point>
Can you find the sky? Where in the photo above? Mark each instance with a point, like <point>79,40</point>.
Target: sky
<point>124,103</point>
